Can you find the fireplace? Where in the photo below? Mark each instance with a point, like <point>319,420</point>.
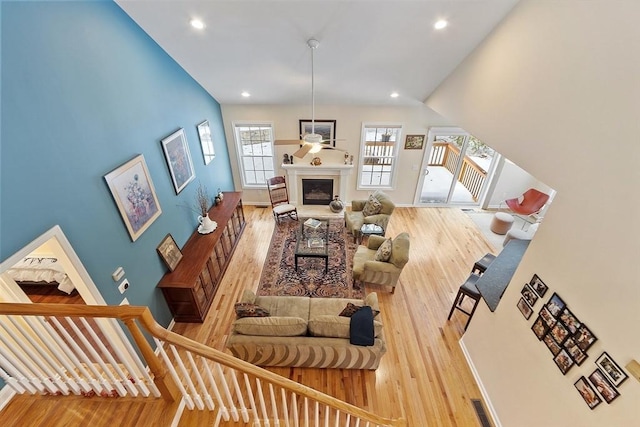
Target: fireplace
<point>317,191</point>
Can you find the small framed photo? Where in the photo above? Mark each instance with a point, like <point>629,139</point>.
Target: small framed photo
<point>564,361</point>
<point>587,392</point>
<point>135,196</point>
<point>604,386</point>
<point>555,305</point>
<point>538,285</point>
<point>551,344</point>
<point>528,294</point>
<point>611,369</point>
<point>325,128</point>
<point>176,152</point>
<point>206,142</point>
<point>414,142</point>
<point>547,316</point>
<point>539,328</point>
<point>576,354</point>
<point>584,338</point>
<point>524,308</point>
<point>169,252</point>
<point>569,320</point>
<point>559,332</point>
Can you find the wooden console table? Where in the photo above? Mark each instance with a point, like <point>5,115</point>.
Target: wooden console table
<point>190,288</point>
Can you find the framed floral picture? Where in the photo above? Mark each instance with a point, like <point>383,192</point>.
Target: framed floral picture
<point>176,152</point>
<point>206,142</point>
<point>134,194</point>
<point>414,142</point>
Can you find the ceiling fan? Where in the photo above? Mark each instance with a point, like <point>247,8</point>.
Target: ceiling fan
<point>311,142</point>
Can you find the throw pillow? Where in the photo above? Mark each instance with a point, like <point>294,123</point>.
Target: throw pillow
<point>247,309</point>
<point>351,308</point>
<point>371,207</point>
<point>384,251</point>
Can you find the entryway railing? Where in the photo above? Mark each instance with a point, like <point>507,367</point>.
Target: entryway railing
<point>56,349</point>
<point>471,175</point>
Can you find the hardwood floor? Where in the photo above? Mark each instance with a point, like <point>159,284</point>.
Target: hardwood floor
<point>423,376</point>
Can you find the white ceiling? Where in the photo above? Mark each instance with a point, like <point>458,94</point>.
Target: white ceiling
<point>368,48</point>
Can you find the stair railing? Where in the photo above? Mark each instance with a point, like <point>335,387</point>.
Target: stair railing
<point>43,350</point>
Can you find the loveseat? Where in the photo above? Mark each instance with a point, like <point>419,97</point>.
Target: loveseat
<point>304,332</point>
<point>359,215</point>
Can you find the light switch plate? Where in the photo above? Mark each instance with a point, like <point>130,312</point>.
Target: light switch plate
<point>634,368</point>
<point>118,274</point>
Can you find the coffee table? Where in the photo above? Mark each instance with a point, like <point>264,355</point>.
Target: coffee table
<point>313,243</point>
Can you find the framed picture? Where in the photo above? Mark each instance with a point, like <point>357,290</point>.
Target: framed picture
<point>547,317</point>
<point>176,151</point>
<point>326,128</point>
<point>551,344</point>
<point>604,387</point>
<point>524,308</point>
<point>135,196</point>
<point>414,142</point>
<point>169,252</point>
<point>584,338</point>
<point>587,392</point>
<point>576,354</point>
<point>569,320</point>
<point>528,294</point>
<point>538,285</point>
<point>539,328</point>
<point>555,305</point>
<point>564,361</point>
<point>206,142</point>
<point>611,369</point>
<point>559,332</point>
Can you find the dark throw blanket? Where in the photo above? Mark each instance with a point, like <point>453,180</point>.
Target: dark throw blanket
<point>361,327</point>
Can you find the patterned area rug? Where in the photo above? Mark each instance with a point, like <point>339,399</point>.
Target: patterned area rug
<point>279,276</point>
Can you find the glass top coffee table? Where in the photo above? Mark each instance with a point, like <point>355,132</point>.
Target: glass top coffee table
<point>312,242</point>
<point>370,229</point>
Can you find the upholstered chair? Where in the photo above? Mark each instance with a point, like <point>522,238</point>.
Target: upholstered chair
<point>367,270</point>
<point>360,214</point>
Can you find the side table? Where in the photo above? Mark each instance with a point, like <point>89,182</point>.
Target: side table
<point>370,229</point>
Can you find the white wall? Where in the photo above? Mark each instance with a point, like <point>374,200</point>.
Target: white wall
<point>562,78</point>
<point>512,182</point>
<point>349,119</point>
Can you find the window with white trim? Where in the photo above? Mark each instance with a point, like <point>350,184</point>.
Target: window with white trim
<point>254,144</point>
<point>379,155</point>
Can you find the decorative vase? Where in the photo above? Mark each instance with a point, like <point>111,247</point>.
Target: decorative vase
<point>336,205</point>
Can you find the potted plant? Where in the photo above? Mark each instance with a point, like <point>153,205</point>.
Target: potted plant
<point>386,136</point>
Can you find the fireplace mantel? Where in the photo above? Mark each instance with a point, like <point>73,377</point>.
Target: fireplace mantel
<point>296,172</point>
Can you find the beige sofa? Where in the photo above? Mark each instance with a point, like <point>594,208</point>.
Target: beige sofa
<point>304,332</point>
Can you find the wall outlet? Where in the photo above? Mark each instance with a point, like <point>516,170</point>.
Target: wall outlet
<point>123,286</point>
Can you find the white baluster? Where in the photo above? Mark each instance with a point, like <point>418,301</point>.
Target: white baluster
<point>203,389</point>
<point>317,415</point>
<point>274,406</point>
<point>306,412</point>
<point>285,410</point>
<point>163,354</point>
<point>252,401</point>
<point>12,378</point>
<point>243,408</point>
<point>294,410</point>
<point>227,393</point>
<point>223,409</point>
<point>263,407</point>
<point>183,370</point>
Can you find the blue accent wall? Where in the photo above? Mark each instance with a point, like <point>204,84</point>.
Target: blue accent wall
<point>84,90</point>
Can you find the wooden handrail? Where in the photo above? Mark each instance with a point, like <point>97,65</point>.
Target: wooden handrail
<point>143,315</point>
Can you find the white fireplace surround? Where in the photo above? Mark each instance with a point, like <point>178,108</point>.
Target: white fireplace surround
<point>296,172</point>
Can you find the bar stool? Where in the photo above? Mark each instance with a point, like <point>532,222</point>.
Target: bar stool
<point>481,265</point>
<point>468,289</point>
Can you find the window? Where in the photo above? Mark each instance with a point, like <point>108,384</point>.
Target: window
<point>254,143</point>
<point>379,155</point>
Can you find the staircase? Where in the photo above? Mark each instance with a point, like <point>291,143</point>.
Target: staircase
<point>46,357</point>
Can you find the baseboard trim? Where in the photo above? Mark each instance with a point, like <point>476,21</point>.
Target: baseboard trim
<point>6,394</point>
<point>483,391</point>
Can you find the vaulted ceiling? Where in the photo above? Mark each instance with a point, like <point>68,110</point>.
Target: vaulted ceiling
<point>368,48</point>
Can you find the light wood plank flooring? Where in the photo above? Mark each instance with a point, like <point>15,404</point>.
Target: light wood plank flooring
<point>423,377</point>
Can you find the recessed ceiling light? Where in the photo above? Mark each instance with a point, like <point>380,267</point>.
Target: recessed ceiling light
<point>245,94</point>
<point>395,94</point>
<point>440,24</point>
<point>196,23</point>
